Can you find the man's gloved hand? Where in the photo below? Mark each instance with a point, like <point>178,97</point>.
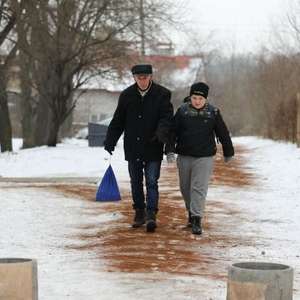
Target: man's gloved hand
<point>227,158</point>
<point>171,157</point>
<point>109,149</point>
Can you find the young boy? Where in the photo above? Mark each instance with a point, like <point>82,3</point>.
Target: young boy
<point>195,126</point>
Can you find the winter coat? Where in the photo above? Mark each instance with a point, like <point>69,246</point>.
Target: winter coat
<point>194,132</point>
<point>145,122</point>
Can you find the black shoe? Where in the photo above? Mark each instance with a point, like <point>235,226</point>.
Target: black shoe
<point>151,221</point>
<point>139,218</point>
<point>196,225</point>
<point>189,223</point>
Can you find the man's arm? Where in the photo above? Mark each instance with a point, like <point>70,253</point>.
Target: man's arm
<point>116,126</point>
<point>165,118</point>
<point>222,134</point>
<point>173,132</point>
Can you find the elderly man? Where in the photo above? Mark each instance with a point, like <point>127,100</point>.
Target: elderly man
<point>144,114</point>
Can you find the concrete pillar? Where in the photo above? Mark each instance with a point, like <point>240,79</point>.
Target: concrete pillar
<point>259,281</point>
<point>18,279</point>
<point>298,120</point>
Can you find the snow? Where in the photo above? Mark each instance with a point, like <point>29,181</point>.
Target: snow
<point>73,158</point>
<point>273,206</point>
<point>194,72</point>
<point>271,209</point>
<point>40,223</point>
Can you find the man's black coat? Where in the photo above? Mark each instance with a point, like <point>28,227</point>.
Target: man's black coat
<point>145,122</point>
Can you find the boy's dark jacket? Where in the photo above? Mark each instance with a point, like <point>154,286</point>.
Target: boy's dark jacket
<point>194,132</point>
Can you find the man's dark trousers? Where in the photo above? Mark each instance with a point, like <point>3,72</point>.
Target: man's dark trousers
<point>151,169</point>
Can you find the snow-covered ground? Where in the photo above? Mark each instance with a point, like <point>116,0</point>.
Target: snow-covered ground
<point>39,222</point>
<point>73,158</point>
<point>272,207</point>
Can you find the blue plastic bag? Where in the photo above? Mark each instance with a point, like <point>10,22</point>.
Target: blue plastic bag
<point>108,189</point>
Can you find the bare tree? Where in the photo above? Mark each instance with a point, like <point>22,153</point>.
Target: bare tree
<point>24,61</point>
<point>293,18</point>
<point>155,20</point>
<point>67,43</point>
<point>7,23</point>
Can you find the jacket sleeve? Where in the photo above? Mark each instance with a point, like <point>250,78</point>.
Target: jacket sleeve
<point>223,135</point>
<point>117,124</point>
<point>165,118</point>
<point>173,133</point>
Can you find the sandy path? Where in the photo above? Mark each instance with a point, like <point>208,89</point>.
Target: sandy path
<point>172,248</point>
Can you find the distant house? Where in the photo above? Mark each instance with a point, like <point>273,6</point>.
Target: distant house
<point>176,71</point>
<point>93,105</point>
<point>98,98</point>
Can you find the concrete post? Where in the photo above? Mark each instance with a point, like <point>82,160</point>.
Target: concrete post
<point>18,279</point>
<point>298,120</point>
<point>260,281</point>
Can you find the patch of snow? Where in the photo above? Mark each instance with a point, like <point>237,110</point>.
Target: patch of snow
<point>183,78</point>
<point>270,210</point>
<point>17,144</point>
<point>40,224</point>
<point>82,133</point>
<point>72,158</point>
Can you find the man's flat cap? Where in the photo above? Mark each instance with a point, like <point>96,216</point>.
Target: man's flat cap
<point>141,69</point>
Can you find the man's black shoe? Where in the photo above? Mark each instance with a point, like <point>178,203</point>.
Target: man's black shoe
<point>196,225</point>
<point>139,218</point>
<point>151,221</point>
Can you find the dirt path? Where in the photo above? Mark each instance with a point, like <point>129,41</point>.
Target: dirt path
<point>172,248</point>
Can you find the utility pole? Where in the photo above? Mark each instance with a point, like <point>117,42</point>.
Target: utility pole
<point>233,70</point>
<point>298,120</point>
<point>142,27</point>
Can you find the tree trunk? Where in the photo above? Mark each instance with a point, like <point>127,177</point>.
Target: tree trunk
<point>298,120</point>
<point>66,128</point>
<point>5,127</point>
<point>27,109</point>
<point>27,104</point>
<point>42,123</point>
<point>53,133</point>
<point>5,123</point>
<point>27,123</point>
<point>67,124</point>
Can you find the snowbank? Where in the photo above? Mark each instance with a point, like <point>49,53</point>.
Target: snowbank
<point>73,158</point>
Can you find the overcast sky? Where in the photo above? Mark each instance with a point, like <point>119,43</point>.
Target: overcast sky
<point>244,24</point>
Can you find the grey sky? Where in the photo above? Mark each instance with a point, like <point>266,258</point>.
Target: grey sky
<point>243,24</point>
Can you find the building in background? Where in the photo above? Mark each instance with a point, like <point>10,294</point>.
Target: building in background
<point>98,98</point>
<point>93,105</point>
